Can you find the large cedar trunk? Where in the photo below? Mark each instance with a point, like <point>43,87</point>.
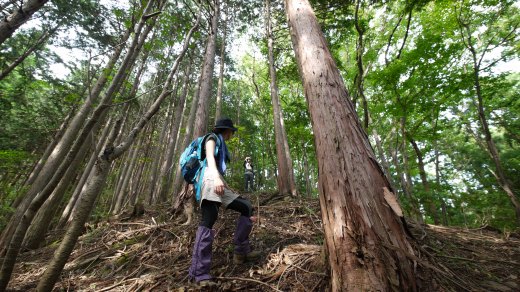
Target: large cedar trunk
<point>365,239</point>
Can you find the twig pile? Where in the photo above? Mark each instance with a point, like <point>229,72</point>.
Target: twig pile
<point>153,253</point>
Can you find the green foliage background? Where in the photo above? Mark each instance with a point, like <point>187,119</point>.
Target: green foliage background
<point>417,69</point>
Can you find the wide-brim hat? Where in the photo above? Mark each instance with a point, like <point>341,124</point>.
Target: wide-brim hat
<point>225,123</point>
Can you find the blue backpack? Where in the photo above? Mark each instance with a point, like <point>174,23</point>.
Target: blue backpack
<point>192,158</point>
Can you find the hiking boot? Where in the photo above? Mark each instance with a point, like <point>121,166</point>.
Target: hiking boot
<point>207,283</point>
<point>242,258</point>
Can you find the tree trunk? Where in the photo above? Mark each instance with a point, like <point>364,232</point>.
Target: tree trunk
<point>166,91</point>
<point>406,169</point>
<point>66,214</point>
<point>500,175</point>
<point>153,186</point>
<point>168,167</point>
<point>158,151</point>
<point>382,156</point>
<point>178,182</point>
<point>426,185</point>
<point>36,233</point>
<point>121,175</point>
<point>18,17</point>
<point>43,38</point>
<point>96,184</point>
<point>290,167</point>
<point>360,77</point>
<point>49,169</point>
<point>201,118</point>
<point>306,171</point>
<point>285,179</point>
<point>365,239</point>
<point>218,105</point>
<point>59,133</point>
<point>407,182</point>
<point>40,195</point>
<point>86,201</point>
<point>136,178</point>
<point>137,182</point>
<point>129,168</point>
<point>402,180</point>
<point>438,183</point>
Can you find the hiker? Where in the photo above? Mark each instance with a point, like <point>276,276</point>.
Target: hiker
<point>214,193</point>
<point>249,174</point>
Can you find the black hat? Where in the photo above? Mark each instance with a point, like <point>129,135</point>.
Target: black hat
<point>225,123</point>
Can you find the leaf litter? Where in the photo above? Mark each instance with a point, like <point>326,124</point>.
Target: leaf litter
<point>152,252</point>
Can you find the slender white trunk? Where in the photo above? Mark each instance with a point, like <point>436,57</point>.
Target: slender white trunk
<point>201,118</point>
<point>286,184</point>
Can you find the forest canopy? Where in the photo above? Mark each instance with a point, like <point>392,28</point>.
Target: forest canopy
<point>416,87</point>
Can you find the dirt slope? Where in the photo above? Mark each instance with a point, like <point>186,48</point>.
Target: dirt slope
<point>152,252</point>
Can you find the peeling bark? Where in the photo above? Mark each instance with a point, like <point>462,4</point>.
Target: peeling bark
<point>365,240</point>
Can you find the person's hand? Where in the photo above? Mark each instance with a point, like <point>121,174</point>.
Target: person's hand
<point>219,186</point>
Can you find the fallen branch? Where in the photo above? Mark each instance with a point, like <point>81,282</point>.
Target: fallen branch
<point>478,260</point>
<point>250,280</point>
<point>115,285</point>
<point>304,270</point>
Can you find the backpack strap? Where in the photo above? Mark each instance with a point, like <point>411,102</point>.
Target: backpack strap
<point>202,148</point>
<point>201,152</point>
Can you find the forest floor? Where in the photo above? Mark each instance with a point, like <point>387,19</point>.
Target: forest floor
<point>152,252</point>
